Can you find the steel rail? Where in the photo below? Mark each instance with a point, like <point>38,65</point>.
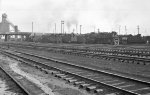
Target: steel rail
<point>97,54</point>
<point>19,84</point>
<point>58,61</point>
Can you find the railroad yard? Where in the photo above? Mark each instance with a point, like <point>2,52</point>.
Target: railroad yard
<point>75,47</point>
<point>65,69</point>
<point>38,83</point>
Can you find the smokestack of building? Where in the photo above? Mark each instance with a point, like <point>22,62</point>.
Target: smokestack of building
<point>62,27</point>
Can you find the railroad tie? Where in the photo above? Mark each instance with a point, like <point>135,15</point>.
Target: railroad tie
<point>98,90</point>
<point>63,76</point>
<point>79,82</point>
<point>125,86</point>
<point>59,75</point>
<point>118,83</point>
<point>54,73</point>
<point>68,78</point>
<point>84,85</point>
<point>72,80</point>
<point>141,89</point>
<point>90,88</point>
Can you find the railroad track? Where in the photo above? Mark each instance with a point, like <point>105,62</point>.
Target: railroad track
<point>22,90</point>
<point>108,56</point>
<point>123,55</point>
<point>116,51</point>
<point>88,78</point>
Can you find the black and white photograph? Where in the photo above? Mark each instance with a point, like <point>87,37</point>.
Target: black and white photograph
<point>74,47</point>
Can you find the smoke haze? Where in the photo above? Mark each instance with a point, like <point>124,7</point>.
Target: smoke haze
<point>104,14</point>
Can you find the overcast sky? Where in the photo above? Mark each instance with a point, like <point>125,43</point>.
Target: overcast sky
<point>106,15</point>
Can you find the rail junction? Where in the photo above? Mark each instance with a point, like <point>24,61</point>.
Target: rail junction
<point>92,80</point>
<point>133,55</point>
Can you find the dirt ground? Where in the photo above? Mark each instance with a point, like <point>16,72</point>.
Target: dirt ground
<point>7,86</point>
<point>58,86</point>
<point>132,70</point>
<point>46,82</point>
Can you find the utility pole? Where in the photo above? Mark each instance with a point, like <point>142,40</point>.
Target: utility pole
<point>32,27</point>
<point>61,27</point>
<point>98,30</point>
<point>77,28</point>
<point>125,30</point>
<point>55,28</point>
<point>138,28</point>
<point>80,28</point>
<point>73,30</point>
<point>119,29</point>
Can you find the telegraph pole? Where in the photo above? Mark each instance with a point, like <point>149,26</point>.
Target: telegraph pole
<point>98,30</point>
<point>80,28</point>
<point>32,27</point>
<point>76,28</point>
<point>55,28</point>
<point>125,30</point>
<point>119,29</point>
<point>61,27</point>
<point>94,29</point>
<point>138,28</point>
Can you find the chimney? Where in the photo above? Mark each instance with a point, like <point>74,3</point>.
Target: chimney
<point>16,29</point>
